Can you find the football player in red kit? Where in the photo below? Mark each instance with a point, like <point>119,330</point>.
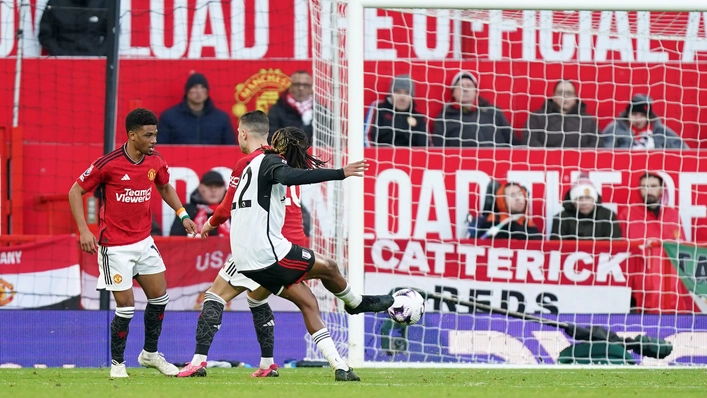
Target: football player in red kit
<point>126,251</point>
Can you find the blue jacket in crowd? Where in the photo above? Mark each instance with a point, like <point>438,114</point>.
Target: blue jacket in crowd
<point>179,125</point>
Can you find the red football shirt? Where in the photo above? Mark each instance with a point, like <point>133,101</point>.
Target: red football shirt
<point>127,187</point>
<point>292,230</point>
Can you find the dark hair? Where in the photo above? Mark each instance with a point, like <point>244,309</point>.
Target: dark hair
<point>301,72</point>
<point>139,117</point>
<point>648,174</point>
<point>256,121</point>
<point>564,81</point>
<point>292,144</point>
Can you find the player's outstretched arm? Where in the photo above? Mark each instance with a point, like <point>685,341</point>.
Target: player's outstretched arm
<point>89,244</point>
<point>169,195</point>
<point>290,176</point>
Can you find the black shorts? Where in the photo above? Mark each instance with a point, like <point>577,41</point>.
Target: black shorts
<point>288,271</point>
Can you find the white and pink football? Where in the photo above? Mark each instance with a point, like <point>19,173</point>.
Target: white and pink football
<point>408,307</point>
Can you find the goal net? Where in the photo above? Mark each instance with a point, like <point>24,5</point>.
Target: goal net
<point>542,162</point>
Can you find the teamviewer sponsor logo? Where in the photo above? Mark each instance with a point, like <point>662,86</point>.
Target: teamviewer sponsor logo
<point>134,196</point>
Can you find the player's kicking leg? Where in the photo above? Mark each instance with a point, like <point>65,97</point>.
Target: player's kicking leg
<point>304,299</point>
<point>155,287</point>
<point>326,270</point>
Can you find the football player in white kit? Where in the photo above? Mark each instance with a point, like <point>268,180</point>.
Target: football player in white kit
<point>260,251</point>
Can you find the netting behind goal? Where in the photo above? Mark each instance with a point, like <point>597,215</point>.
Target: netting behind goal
<point>479,187</point>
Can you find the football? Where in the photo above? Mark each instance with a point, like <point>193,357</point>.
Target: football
<point>408,307</point>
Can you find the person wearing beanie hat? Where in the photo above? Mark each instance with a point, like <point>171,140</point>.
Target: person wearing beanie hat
<point>639,127</point>
<point>195,120</point>
<point>395,121</point>
<point>583,217</point>
<point>562,122</point>
<point>469,120</point>
<point>203,202</point>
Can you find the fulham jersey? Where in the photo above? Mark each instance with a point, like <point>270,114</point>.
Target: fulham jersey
<point>258,209</point>
<point>292,229</point>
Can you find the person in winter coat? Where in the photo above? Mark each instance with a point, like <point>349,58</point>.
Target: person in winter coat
<point>202,204</point>
<point>562,122</point>
<point>509,217</point>
<point>583,216</point>
<point>74,28</point>
<point>469,120</point>
<point>295,107</point>
<point>195,120</point>
<point>394,121</point>
<point>638,127</point>
<point>649,217</point>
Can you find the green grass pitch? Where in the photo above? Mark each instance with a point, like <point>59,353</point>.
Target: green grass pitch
<point>387,383</point>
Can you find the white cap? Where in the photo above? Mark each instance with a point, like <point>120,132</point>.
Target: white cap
<point>583,188</point>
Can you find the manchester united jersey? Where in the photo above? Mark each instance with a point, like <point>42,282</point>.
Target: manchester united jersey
<point>292,229</point>
<point>126,188</point>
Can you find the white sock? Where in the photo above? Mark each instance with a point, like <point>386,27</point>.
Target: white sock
<point>349,297</point>
<point>266,362</point>
<point>252,303</point>
<point>198,359</point>
<point>327,347</point>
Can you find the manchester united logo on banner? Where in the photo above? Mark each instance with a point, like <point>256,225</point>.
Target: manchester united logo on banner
<point>263,87</point>
<point>7,292</point>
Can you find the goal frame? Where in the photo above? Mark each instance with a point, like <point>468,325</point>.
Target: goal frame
<point>356,109</point>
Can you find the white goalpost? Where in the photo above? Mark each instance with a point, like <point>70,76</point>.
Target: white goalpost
<point>378,240</point>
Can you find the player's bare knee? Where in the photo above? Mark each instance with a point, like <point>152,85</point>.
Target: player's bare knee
<point>124,299</point>
<point>225,290</point>
<point>259,294</point>
<point>332,269</point>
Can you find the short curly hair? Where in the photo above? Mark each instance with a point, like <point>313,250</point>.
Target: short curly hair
<point>139,117</point>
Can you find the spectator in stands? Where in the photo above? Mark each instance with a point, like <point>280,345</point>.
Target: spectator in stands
<point>195,120</point>
<point>202,204</point>
<point>638,127</point>
<point>651,218</point>
<point>562,122</point>
<point>395,121</point>
<point>583,216</point>
<point>469,120</point>
<point>508,217</point>
<point>74,28</point>
<point>295,107</point>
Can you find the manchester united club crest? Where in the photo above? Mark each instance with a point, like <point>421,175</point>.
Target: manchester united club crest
<point>151,174</point>
<point>7,292</point>
<point>117,278</point>
<point>263,88</point>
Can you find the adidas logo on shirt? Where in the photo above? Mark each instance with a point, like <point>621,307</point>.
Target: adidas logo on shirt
<point>125,178</point>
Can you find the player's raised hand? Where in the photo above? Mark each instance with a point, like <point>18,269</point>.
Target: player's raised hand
<point>89,244</point>
<point>355,169</point>
<point>206,229</point>
<point>190,226</point>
